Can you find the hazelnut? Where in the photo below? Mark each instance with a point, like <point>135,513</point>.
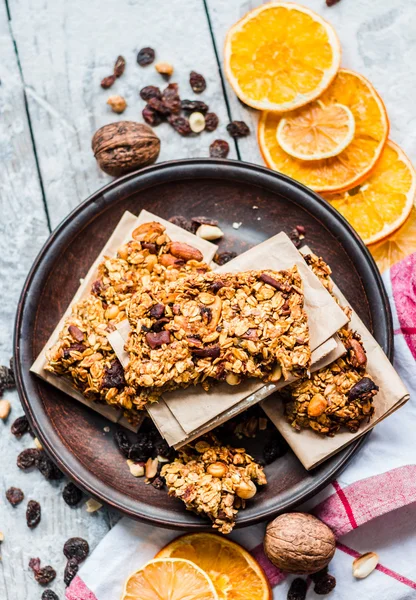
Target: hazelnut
<point>299,543</point>
<point>317,405</point>
<point>164,68</point>
<point>112,312</point>
<point>5,408</point>
<point>217,469</point>
<point>246,490</point>
<point>197,122</point>
<point>117,103</point>
<point>232,379</point>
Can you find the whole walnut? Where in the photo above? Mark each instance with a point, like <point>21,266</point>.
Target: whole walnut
<point>299,543</point>
<point>125,146</point>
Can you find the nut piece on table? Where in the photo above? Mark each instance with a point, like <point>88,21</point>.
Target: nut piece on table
<point>5,408</point>
<point>164,68</point>
<point>117,103</point>
<point>299,543</point>
<point>364,565</point>
<point>209,232</point>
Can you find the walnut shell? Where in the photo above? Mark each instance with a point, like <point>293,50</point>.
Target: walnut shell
<point>125,146</point>
<point>299,543</point>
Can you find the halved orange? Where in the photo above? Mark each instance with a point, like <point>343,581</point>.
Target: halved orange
<point>396,246</point>
<point>381,204</point>
<point>169,579</point>
<point>316,131</point>
<point>235,574</point>
<point>280,56</point>
<point>354,164</point>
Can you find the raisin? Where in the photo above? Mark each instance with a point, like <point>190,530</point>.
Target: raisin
<point>181,125</point>
<point>300,229</point>
<point>181,221</point>
<point>151,116</point>
<point>207,352</point>
<point>274,449</point>
<point>319,574</point>
<point>159,106</point>
<point>219,149</point>
<point>114,376</point>
<point>107,82</point>
<point>71,569</point>
<point>158,483</point>
<point>76,333</point>
<point>163,449</point>
<point>142,449</point>
<point>331,2</point>
<point>48,468</point>
<point>211,121</point>
<point>150,91</point>
<point>7,381</point>
<point>295,238</point>
<point>14,496</point>
<point>324,585</point>
<point>71,494</point>
<point>20,427</point>
<point>364,389</point>
<point>194,106</point>
<point>221,258</point>
<point>97,287</point>
<point>145,56</point>
<point>119,66</point>
<point>170,98</point>
<point>28,458</point>
<point>197,82</point>
<point>297,590</point>
<point>33,514</point>
<point>45,575</point>
<point>238,129</point>
<point>73,348</point>
<point>49,595</point>
<point>122,442</point>
<point>76,548</point>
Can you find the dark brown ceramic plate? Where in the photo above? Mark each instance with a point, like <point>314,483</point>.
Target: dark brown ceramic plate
<point>227,191</point>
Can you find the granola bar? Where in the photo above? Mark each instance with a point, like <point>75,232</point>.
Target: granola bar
<point>213,480</point>
<point>340,394</point>
<point>217,327</point>
<point>83,352</point>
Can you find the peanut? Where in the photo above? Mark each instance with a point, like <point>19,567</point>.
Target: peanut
<point>217,469</point>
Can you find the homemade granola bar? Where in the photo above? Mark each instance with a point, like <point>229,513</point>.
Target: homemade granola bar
<point>213,480</point>
<point>83,352</point>
<point>217,327</point>
<point>340,394</point>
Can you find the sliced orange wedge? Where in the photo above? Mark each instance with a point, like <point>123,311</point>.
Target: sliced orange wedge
<point>353,165</point>
<point>381,204</point>
<point>235,574</point>
<point>169,579</point>
<point>280,56</point>
<point>396,246</point>
<point>316,131</point>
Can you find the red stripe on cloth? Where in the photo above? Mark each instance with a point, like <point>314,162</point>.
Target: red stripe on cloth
<point>403,283</point>
<point>345,503</point>
<point>273,574</point>
<point>379,567</point>
<point>79,591</point>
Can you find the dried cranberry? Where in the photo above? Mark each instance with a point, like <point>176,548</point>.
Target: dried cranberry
<point>107,82</point>
<point>211,121</point>
<point>238,129</point>
<point>197,82</point>
<point>181,221</point>
<point>7,381</point>
<point>122,442</point>
<point>325,584</point>
<point>33,514</point>
<point>20,426</point>
<point>45,575</point>
<point>194,106</point>
<point>71,494</point>
<point>71,569</point>
<point>297,590</point>
<point>273,449</point>
<point>28,458</point>
<point>157,310</point>
<point>158,483</point>
<point>221,258</point>
<point>76,548</point>
<point>14,496</point>
<point>145,56</point>
<point>150,91</point>
<point>97,287</point>
<point>219,149</point>
<point>114,376</point>
<point>49,595</point>
<point>119,66</point>
<point>48,468</point>
<point>208,352</point>
<point>151,116</point>
<point>34,564</point>
<point>170,98</point>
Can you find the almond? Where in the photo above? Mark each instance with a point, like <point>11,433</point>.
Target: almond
<point>364,565</point>
<point>185,251</point>
<point>146,229</point>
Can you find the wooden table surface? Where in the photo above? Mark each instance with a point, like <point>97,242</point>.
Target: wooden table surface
<point>54,54</point>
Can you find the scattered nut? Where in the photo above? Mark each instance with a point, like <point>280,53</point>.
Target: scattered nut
<point>197,122</point>
<point>37,444</point>
<point>117,103</point>
<point>136,469</point>
<point>151,468</point>
<point>246,490</point>
<point>5,408</point>
<point>164,68</point>
<point>92,505</point>
<point>364,565</point>
<point>217,469</point>
<point>209,232</point>
<point>317,405</point>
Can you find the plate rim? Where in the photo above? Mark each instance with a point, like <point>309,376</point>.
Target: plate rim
<point>100,199</point>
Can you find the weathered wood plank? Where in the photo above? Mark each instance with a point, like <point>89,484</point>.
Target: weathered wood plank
<point>64,56</point>
<point>378,41</point>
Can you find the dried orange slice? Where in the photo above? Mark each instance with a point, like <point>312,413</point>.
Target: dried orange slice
<point>169,579</point>
<point>280,56</point>
<point>396,246</point>
<point>316,131</point>
<point>235,574</point>
<point>383,202</point>
<point>351,166</point>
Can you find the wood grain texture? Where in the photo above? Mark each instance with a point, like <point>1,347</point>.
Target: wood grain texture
<point>64,57</point>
